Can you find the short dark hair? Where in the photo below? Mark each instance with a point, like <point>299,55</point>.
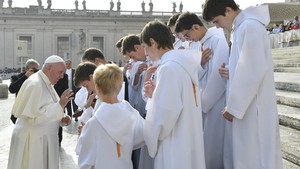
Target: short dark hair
<point>119,43</point>
<point>158,32</point>
<point>186,21</point>
<point>91,54</point>
<point>172,20</point>
<point>128,43</point>
<point>213,8</point>
<point>83,72</point>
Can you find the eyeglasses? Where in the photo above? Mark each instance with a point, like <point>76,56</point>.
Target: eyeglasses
<point>187,34</point>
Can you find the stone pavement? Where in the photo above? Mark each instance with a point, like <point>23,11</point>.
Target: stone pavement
<point>68,158</point>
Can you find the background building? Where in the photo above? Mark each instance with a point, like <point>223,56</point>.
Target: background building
<point>66,33</point>
<point>38,32</point>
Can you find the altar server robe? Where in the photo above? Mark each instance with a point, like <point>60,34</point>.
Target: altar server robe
<point>112,124</point>
<point>251,97</point>
<point>34,142</point>
<point>213,88</point>
<point>173,126</point>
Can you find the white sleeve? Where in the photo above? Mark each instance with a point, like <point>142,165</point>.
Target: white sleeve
<point>252,66</point>
<point>138,141</point>
<point>86,148</point>
<point>164,111</point>
<point>81,97</point>
<point>86,115</point>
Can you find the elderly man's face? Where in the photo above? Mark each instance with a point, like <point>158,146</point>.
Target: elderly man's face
<point>56,72</point>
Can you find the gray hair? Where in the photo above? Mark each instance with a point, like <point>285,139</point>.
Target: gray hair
<point>30,62</point>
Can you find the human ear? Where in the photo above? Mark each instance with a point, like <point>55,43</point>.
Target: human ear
<point>136,47</point>
<point>195,27</point>
<point>227,11</point>
<point>152,42</point>
<point>91,77</point>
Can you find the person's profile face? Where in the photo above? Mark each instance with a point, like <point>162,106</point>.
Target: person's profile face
<point>33,68</point>
<point>180,36</point>
<point>132,55</point>
<point>151,52</point>
<point>187,34</point>
<point>222,22</point>
<point>57,72</point>
<point>225,21</point>
<point>89,84</point>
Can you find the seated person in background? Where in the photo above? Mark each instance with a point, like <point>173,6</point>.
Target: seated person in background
<point>281,28</point>
<point>288,26</point>
<point>296,23</point>
<point>31,66</point>
<point>276,28</point>
<point>108,138</point>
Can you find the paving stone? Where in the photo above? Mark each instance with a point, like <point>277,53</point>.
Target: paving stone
<point>289,116</point>
<point>289,165</point>
<point>290,144</point>
<point>288,98</point>
<point>287,81</point>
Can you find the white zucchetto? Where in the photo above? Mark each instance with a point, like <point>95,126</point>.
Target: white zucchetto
<point>54,59</point>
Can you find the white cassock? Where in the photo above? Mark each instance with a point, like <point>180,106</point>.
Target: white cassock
<point>138,103</point>
<point>34,142</point>
<point>81,97</point>
<point>195,45</point>
<point>251,97</point>
<point>112,126</point>
<point>131,92</point>
<point>173,126</point>
<point>213,88</point>
<point>145,161</point>
<point>178,44</point>
<point>89,112</point>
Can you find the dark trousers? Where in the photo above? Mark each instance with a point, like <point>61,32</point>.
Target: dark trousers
<point>135,158</point>
<point>60,135</point>
<point>69,107</point>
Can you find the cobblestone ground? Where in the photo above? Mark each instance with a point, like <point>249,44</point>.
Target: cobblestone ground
<point>67,156</point>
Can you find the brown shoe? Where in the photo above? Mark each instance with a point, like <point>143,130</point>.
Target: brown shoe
<point>77,113</point>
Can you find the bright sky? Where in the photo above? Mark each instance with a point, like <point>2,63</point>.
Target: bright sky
<point>133,5</point>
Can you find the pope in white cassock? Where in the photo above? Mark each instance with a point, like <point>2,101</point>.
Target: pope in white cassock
<point>173,126</point>
<point>251,104</point>
<point>34,142</point>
